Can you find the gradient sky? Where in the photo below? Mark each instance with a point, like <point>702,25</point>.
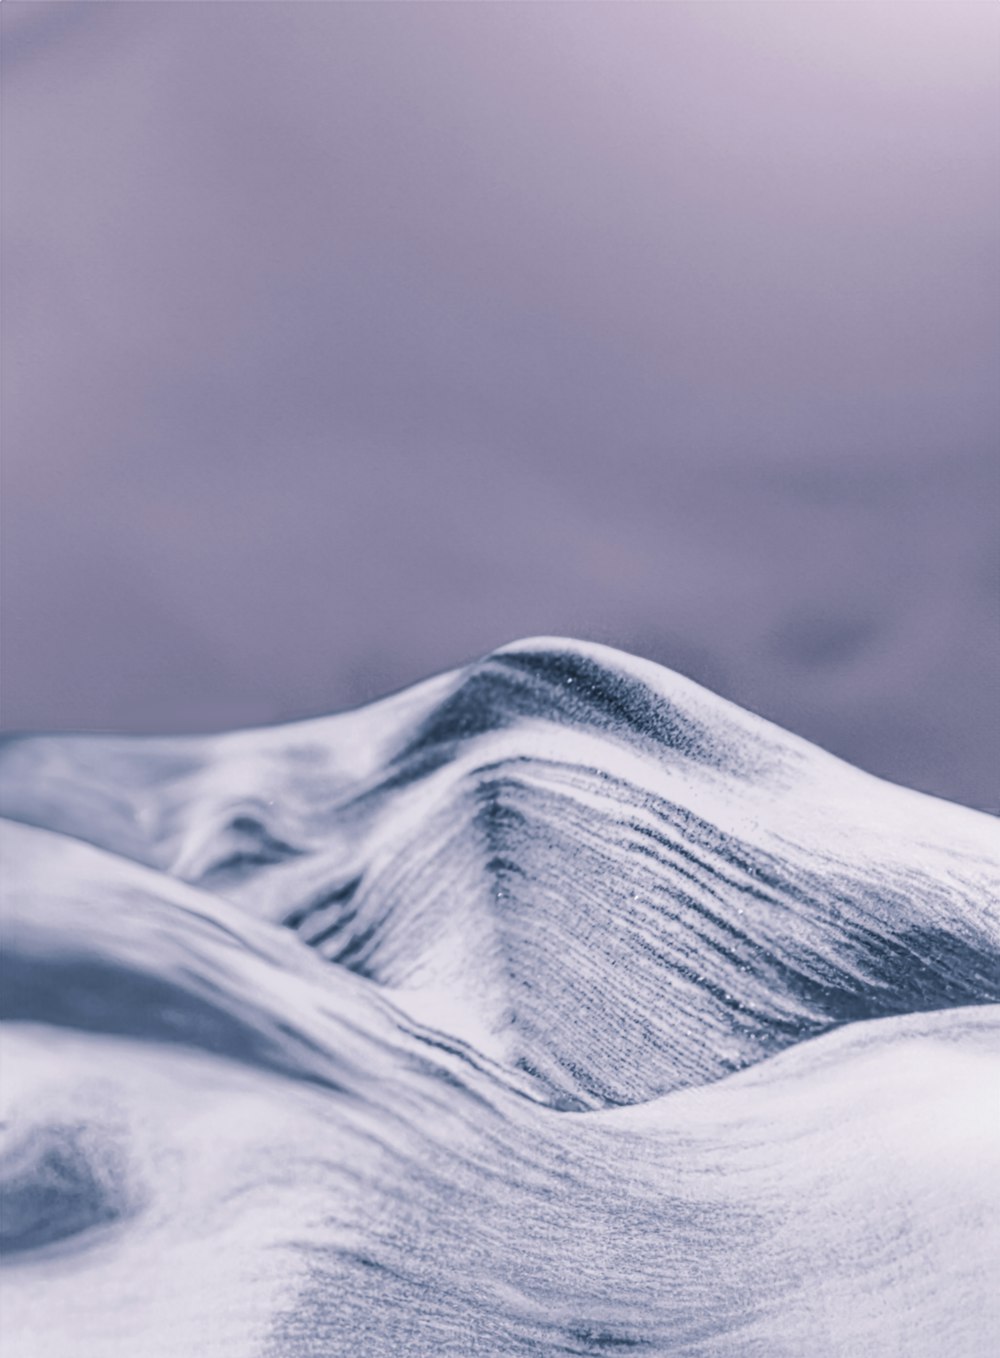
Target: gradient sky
<point>344,342</point>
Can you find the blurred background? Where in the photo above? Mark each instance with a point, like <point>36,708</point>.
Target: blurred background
<point>344,342</point>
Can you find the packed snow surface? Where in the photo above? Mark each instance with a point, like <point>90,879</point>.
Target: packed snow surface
<point>553,1006</point>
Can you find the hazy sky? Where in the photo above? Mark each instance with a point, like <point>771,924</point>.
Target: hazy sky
<point>346,341</point>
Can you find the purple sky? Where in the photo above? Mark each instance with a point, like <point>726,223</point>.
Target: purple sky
<point>345,341</point>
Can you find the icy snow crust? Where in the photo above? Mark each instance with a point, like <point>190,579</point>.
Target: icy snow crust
<point>553,1006</point>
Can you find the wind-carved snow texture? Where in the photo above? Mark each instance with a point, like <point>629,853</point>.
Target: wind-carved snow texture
<point>554,1006</point>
